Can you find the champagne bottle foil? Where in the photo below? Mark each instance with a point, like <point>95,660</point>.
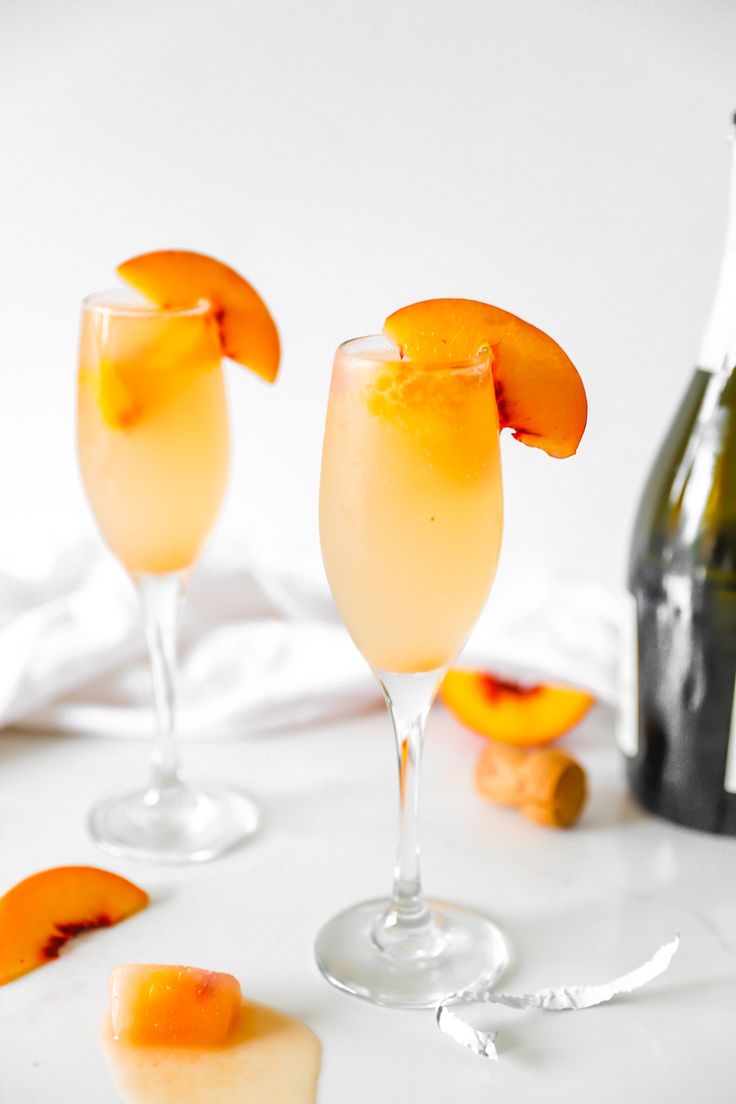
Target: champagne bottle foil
<point>565,998</point>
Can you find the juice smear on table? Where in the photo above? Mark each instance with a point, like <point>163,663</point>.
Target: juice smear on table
<point>268,1058</point>
<point>153,434</point>
<point>411,511</point>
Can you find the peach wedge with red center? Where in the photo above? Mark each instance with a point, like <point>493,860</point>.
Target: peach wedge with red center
<point>41,913</point>
<point>172,1005</point>
<point>513,714</point>
<point>177,278</point>
<point>539,393</point>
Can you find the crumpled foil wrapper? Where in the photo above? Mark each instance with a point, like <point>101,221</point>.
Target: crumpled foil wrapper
<point>564,999</point>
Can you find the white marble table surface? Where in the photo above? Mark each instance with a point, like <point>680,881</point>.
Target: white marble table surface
<point>580,906</point>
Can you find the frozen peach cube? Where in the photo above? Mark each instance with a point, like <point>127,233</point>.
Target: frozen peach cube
<point>118,402</point>
<point>165,1005</point>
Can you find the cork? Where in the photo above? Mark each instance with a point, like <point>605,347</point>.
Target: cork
<point>548,786</point>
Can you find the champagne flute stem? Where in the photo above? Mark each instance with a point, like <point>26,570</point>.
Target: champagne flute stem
<point>160,596</point>
<point>408,927</point>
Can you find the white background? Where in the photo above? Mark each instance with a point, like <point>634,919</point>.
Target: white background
<point>566,161</point>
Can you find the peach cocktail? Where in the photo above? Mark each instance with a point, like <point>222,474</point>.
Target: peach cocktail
<point>411,520</point>
<point>423,482</point>
<point>153,446</point>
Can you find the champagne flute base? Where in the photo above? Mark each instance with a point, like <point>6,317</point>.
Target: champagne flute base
<point>186,825</point>
<point>469,948</point>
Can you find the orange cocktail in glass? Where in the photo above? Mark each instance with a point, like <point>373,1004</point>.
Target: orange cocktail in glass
<point>411,503</point>
<point>411,518</point>
<point>153,433</point>
<point>154,448</point>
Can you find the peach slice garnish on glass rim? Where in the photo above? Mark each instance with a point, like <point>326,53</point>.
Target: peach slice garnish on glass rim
<point>539,393</point>
<point>514,714</point>
<point>177,278</point>
<point>172,1005</point>
<point>41,913</point>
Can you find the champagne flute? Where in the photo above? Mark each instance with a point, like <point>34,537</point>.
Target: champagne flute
<point>153,447</point>
<point>411,516</point>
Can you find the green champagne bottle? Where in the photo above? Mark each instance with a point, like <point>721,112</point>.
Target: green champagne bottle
<point>682,575</point>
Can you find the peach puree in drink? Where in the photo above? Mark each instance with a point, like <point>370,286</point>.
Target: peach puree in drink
<point>153,436</point>
<point>411,510</point>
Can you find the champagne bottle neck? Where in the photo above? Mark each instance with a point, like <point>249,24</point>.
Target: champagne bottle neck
<point>718,351</point>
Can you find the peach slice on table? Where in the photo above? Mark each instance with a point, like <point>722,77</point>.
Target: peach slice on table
<point>40,914</point>
<point>539,393</point>
<point>514,714</point>
<point>178,278</point>
<point>179,1005</point>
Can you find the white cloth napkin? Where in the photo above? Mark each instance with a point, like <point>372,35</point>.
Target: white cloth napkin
<point>260,647</point>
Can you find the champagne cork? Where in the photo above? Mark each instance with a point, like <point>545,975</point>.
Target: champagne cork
<point>547,786</point>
